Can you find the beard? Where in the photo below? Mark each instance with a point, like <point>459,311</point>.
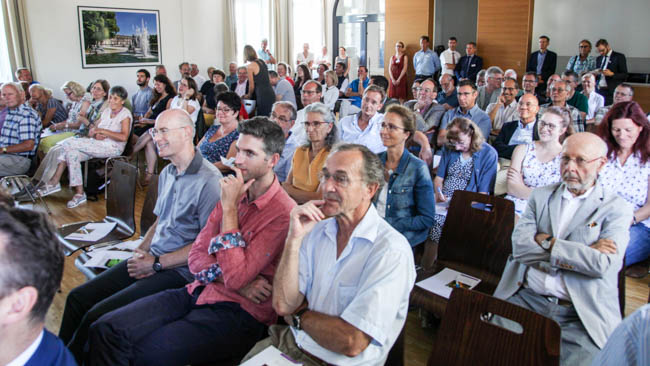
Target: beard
<point>579,185</point>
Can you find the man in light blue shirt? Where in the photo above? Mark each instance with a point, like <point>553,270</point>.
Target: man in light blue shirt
<point>355,271</point>
<point>467,108</point>
<point>284,114</point>
<point>425,61</point>
<point>265,54</point>
<point>363,127</point>
<point>140,100</point>
<point>629,345</point>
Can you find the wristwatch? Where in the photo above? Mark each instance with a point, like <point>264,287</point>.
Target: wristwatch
<point>546,244</point>
<point>296,318</point>
<point>4,150</point>
<point>157,266</point>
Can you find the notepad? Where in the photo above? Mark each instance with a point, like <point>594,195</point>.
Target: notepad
<point>271,356</point>
<point>92,232</point>
<point>443,282</point>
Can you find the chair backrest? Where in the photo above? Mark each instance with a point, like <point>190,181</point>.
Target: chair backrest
<point>621,288</point>
<point>120,204</point>
<point>477,232</point>
<point>200,128</point>
<point>147,217</point>
<point>467,337</point>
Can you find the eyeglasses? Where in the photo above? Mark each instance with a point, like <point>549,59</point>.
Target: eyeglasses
<point>510,89</point>
<point>224,110</point>
<point>495,78</point>
<point>162,132</point>
<point>529,80</point>
<point>527,105</point>
<point>548,126</point>
<point>282,119</point>
<point>580,162</point>
<point>391,127</point>
<point>313,124</point>
<point>419,89</point>
<point>558,90</point>
<point>621,94</point>
<point>340,179</point>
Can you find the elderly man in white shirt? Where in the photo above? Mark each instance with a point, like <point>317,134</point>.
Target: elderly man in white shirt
<point>505,109</point>
<point>595,100</point>
<point>345,275</point>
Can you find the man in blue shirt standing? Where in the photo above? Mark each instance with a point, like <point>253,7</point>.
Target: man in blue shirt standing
<point>425,61</point>
<point>140,100</point>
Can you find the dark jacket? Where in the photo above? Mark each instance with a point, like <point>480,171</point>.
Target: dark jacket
<point>485,168</point>
<point>618,65</point>
<point>507,130</point>
<point>410,205</point>
<point>550,63</point>
<point>462,71</point>
<point>233,86</point>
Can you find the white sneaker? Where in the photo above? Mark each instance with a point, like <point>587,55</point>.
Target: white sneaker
<point>47,189</point>
<point>76,200</point>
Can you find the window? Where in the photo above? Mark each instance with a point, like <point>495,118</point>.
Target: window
<point>5,66</point>
<point>252,20</point>
<point>308,27</point>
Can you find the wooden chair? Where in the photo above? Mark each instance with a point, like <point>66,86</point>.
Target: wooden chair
<point>476,240</point>
<point>467,337</point>
<point>147,219</point>
<point>120,205</point>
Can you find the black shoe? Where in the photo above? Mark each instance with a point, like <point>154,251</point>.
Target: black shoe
<point>24,195</point>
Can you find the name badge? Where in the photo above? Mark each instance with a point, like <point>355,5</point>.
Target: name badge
<point>472,65</point>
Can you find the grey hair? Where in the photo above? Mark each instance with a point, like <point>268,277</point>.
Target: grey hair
<point>17,86</point>
<point>589,75</point>
<point>120,92</point>
<point>492,70</point>
<point>373,169</point>
<point>512,71</point>
<point>328,116</point>
<point>18,70</point>
<point>289,106</point>
<point>567,86</point>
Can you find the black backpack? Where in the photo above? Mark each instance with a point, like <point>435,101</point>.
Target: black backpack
<point>95,182</point>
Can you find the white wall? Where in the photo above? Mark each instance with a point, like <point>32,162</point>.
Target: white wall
<point>623,23</point>
<point>188,32</point>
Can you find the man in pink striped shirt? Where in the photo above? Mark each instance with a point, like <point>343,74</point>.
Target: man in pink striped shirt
<point>227,308</point>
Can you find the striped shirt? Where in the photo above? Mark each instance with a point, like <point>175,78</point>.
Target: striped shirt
<point>21,124</point>
<point>629,345</point>
<point>60,114</point>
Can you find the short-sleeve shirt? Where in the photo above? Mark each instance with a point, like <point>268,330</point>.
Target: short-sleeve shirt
<point>21,124</point>
<point>629,181</point>
<point>368,285</point>
<point>115,124</point>
<point>140,100</point>
<point>354,86</point>
<point>504,114</point>
<point>60,114</point>
<point>446,58</point>
<point>305,172</point>
<point>177,103</point>
<point>184,204</point>
<point>302,59</point>
<point>369,137</point>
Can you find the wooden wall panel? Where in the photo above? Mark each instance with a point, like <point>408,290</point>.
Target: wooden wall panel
<point>504,29</point>
<point>642,96</point>
<point>406,21</point>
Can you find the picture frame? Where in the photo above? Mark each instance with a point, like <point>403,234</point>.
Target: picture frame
<point>119,37</point>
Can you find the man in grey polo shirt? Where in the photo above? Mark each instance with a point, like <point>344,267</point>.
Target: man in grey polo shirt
<point>283,90</point>
<point>189,189</point>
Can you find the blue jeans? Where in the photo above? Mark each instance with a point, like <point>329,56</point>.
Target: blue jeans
<point>169,328</point>
<point>638,249</point>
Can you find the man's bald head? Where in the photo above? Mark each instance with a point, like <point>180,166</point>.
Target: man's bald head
<point>586,142</point>
<point>583,156</point>
<point>173,118</point>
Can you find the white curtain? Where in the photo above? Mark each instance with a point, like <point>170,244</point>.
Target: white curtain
<point>282,30</point>
<point>230,33</point>
<point>17,35</point>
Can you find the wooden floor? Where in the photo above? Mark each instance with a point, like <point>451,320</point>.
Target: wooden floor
<point>418,340</point>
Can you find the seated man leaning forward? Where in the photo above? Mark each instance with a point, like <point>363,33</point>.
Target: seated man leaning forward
<point>211,320</point>
<point>567,250</point>
<point>343,282</point>
<point>188,191</point>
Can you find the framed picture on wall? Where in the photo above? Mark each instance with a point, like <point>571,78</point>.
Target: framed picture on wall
<point>115,37</point>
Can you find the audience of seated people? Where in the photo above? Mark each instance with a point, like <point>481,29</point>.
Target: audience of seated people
<point>534,148</point>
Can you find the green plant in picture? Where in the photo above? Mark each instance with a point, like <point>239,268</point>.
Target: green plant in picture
<point>98,26</point>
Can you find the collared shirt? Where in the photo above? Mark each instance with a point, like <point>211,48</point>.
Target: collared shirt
<point>298,132</point>
<point>350,131</point>
<point>580,66</point>
<point>285,90</point>
<point>506,113</point>
<point>475,114</point>
<point>140,101</point>
<point>552,284</point>
<point>540,61</point>
<point>629,344</point>
<point>283,166</point>
<point>368,285</point>
<point>263,226</point>
<point>595,101</point>
<point>200,80</point>
<point>629,181</point>
<point>602,83</point>
<point>240,89</point>
<point>21,124</point>
<point>523,135</point>
<point>426,62</point>
<point>449,57</point>
<point>231,79</point>
<point>306,60</point>
<point>25,355</point>
<point>184,203</point>
<point>576,119</point>
<point>600,114</point>
<point>451,99</point>
<point>354,86</point>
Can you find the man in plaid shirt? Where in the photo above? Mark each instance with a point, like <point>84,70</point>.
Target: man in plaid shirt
<point>20,130</point>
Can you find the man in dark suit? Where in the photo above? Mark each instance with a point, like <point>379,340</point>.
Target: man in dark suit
<point>543,63</point>
<point>469,65</point>
<point>241,86</point>
<point>613,70</point>
<point>31,267</point>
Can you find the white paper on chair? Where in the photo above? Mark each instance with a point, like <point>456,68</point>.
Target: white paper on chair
<point>128,246</point>
<point>102,258</point>
<point>436,161</point>
<point>442,208</point>
<point>46,132</point>
<point>443,282</point>
<point>271,356</point>
<point>92,232</point>
<point>229,162</point>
